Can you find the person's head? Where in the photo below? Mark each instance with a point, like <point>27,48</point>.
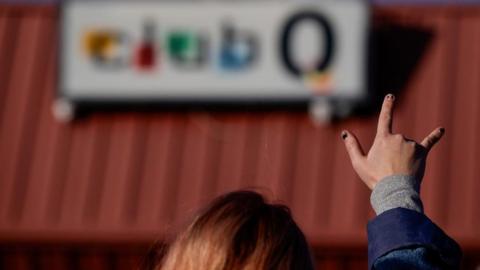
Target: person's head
<point>240,230</point>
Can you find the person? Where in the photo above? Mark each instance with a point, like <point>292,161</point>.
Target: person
<point>241,230</point>
<point>401,236</point>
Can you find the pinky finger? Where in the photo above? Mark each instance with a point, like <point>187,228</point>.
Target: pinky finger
<point>433,138</point>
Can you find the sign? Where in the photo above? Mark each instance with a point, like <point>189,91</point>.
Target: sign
<point>213,51</point>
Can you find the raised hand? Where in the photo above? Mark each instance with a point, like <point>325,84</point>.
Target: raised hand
<point>390,154</point>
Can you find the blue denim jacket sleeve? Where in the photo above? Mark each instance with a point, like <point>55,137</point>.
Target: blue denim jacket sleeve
<point>405,239</point>
<point>410,258</point>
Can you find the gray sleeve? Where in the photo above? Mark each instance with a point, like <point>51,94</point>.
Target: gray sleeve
<point>396,191</point>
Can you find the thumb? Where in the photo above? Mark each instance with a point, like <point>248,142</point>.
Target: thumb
<point>353,147</point>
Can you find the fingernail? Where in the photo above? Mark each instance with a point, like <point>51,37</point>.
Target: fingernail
<point>344,135</point>
<point>390,97</point>
<point>442,130</point>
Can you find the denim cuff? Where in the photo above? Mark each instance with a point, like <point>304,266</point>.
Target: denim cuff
<point>401,228</point>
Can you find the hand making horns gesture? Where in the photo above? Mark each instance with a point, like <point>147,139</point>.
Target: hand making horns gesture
<point>390,154</point>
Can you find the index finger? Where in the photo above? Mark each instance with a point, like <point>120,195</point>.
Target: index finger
<point>385,118</point>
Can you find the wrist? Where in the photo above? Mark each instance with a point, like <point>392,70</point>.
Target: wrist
<point>396,191</point>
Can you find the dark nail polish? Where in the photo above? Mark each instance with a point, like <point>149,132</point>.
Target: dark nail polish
<point>442,130</point>
<point>344,135</point>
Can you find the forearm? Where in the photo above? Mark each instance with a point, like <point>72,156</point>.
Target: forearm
<point>401,234</point>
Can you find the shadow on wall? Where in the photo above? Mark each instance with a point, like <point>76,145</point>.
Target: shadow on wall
<point>395,52</point>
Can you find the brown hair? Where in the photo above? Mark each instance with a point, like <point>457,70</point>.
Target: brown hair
<point>240,230</point>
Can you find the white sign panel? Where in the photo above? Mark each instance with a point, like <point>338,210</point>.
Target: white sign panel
<point>201,51</point>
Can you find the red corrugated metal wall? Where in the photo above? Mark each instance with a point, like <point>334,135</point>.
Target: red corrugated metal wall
<point>131,177</point>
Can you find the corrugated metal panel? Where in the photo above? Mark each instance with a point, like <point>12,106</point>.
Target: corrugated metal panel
<point>131,256</point>
<point>377,2</point>
<point>107,257</point>
<point>134,176</point>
